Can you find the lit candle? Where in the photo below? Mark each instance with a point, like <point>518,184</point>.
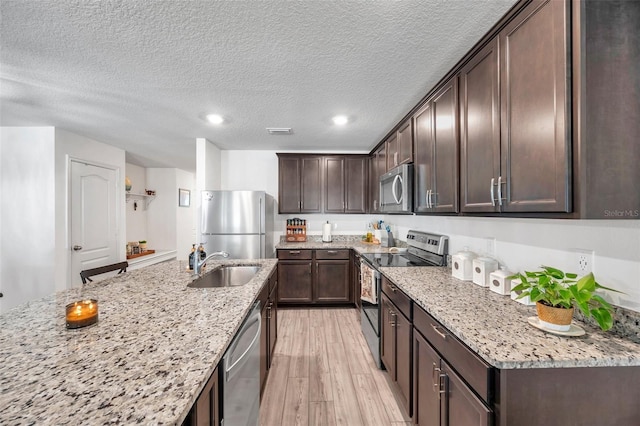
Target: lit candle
<point>82,313</point>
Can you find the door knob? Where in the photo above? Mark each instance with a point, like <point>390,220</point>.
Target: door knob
<point>77,248</point>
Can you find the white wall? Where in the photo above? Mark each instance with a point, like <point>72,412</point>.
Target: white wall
<point>136,219</point>
<point>250,171</point>
<point>525,244</point>
<point>161,214</point>
<point>27,214</point>
<point>69,145</point>
<point>185,216</point>
<point>169,226</point>
<point>208,174</point>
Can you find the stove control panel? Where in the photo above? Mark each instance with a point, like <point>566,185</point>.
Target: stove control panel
<point>432,243</point>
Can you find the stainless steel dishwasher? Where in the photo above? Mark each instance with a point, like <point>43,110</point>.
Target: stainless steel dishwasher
<point>241,374</point>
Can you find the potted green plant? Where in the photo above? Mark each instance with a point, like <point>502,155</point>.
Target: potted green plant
<point>143,245</point>
<point>556,293</point>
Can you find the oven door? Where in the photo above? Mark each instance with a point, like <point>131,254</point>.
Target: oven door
<point>370,280</point>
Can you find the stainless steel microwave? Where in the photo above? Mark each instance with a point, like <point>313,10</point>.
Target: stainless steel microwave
<point>396,190</point>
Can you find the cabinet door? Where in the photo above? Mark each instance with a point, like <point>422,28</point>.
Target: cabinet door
<point>206,410</point>
<point>311,185</point>
<point>480,131</point>
<point>403,359</point>
<point>423,157</point>
<point>444,195</point>
<point>534,110</point>
<point>378,168</point>
<point>355,183</point>
<point>294,281</point>
<point>388,336</point>
<point>392,152</point>
<point>332,281</point>
<point>289,200</point>
<point>334,189</point>
<point>463,406</point>
<point>426,376</point>
<point>405,142</point>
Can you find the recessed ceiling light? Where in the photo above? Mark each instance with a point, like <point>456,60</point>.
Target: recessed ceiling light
<point>215,119</point>
<point>340,120</point>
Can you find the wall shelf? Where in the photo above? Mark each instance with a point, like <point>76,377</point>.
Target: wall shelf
<point>147,198</point>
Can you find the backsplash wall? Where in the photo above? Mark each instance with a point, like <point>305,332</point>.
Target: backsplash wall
<point>525,244</point>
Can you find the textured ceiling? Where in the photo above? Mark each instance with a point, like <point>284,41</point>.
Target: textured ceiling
<point>142,74</point>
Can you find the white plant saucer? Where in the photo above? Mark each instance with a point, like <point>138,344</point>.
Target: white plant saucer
<point>573,331</point>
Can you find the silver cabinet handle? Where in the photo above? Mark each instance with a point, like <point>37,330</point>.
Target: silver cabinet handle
<point>435,374</point>
<point>294,252</point>
<point>77,248</point>
<point>500,190</point>
<point>392,319</point>
<point>375,205</point>
<point>493,183</point>
<point>440,333</point>
<point>332,251</point>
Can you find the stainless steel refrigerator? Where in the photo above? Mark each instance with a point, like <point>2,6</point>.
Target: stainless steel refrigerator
<point>238,222</point>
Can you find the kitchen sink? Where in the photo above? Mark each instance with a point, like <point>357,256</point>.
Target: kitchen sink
<point>226,276</point>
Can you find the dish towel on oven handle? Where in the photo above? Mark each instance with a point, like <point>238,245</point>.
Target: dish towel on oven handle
<point>368,289</point>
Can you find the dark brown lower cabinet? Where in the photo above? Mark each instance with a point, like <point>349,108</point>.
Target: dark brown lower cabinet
<point>319,277</point>
<point>332,281</point>
<point>396,349</point>
<point>206,410</point>
<point>440,396</point>
<point>269,332</point>
<point>295,281</point>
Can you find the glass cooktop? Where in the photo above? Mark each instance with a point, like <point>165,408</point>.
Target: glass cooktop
<point>387,259</point>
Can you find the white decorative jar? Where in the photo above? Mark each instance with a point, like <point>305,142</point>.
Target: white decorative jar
<point>462,265</point>
<point>499,281</point>
<point>482,267</point>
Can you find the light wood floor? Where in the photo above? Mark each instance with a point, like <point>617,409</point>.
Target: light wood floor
<point>323,374</point>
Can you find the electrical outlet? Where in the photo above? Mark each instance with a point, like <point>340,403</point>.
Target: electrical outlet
<point>490,246</point>
<point>581,261</point>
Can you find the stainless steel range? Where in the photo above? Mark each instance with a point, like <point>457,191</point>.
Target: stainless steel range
<point>425,249</point>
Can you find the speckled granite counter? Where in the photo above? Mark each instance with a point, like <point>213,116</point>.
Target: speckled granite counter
<point>145,361</point>
<point>339,242</point>
<point>496,328</point>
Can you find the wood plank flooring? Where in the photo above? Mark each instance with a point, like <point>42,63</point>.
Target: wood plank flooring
<point>323,374</point>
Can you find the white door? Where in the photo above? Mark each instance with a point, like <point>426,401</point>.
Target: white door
<point>94,232</point>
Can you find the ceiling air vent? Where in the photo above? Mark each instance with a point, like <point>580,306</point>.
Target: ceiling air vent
<point>279,130</point>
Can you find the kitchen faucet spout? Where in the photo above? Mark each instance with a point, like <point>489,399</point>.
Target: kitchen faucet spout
<point>199,264</point>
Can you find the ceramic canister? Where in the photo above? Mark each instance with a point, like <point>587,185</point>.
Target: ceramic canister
<point>482,267</point>
<point>462,265</point>
<point>499,281</point>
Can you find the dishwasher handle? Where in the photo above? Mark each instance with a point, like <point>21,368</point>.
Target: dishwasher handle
<point>229,369</point>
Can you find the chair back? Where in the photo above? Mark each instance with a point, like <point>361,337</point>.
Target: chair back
<point>122,266</point>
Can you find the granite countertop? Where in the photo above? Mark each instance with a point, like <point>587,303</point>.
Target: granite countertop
<point>339,242</point>
<point>496,327</point>
<point>146,360</point>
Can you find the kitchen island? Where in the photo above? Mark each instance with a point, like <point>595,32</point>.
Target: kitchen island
<point>145,361</point>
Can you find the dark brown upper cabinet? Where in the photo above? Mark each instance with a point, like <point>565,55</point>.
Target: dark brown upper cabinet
<point>436,152</point>
<point>514,117</point>
<point>346,184</point>
<point>300,183</point>
<point>400,146</point>
<point>535,173</point>
<point>480,130</point>
<point>378,167</point>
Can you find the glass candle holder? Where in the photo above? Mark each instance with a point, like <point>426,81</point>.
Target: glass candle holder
<point>82,313</point>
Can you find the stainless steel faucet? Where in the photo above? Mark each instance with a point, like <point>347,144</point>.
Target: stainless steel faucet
<point>198,264</point>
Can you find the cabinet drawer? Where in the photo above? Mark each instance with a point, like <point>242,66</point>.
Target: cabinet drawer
<point>400,299</point>
<point>295,254</point>
<point>332,254</point>
<point>467,364</point>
